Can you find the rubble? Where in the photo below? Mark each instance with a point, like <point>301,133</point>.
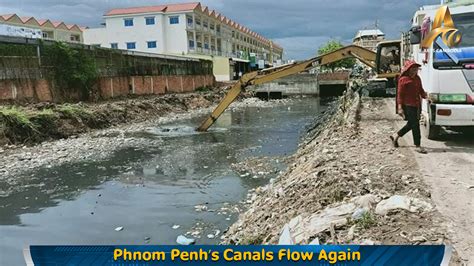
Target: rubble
<point>397,202</point>
<point>343,172</point>
<point>182,240</point>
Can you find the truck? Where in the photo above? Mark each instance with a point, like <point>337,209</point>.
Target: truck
<point>447,73</point>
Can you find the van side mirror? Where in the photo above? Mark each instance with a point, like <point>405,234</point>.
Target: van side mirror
<point>415,35</point>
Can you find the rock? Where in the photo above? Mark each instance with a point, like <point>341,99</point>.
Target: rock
<point>182,240</point>
<point>367,201</point>
<point>367,242</point>
<point>359,213</point>
<point>285,236</point>
<point>418,239</point>
<point>351,232</point>
<point>211,236</point>
<point>118,229</point>
<point>176,226</point>
<point>279,192</point>
<point>401,202</point>
<point>302,229</point>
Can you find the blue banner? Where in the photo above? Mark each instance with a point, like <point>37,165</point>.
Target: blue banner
<point>425,255</point>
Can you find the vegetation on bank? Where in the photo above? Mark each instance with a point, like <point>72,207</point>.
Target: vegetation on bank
<point>22,125</point>
<point>36,123</point>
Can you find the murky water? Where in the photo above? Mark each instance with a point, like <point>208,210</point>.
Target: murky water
<point>147,191</point>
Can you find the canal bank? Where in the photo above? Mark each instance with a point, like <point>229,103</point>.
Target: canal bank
<point>148,182</point>
<point>346,184</point>
<point>35,123</point>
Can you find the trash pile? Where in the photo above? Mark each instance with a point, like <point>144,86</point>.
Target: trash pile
<point>346,185</point>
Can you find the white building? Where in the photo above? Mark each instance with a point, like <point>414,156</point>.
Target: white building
<point>185,29</point>
<point>369,38</point>
<point>50,30</point>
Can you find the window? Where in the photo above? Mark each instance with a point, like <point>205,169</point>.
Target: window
<point>151,44</point>
<point>191,44</point>
<point>75,38</point>
<point>150,21</point>
<point>114,45</point>
<point>128,22</point>
<point>206,46</point>
<point>174,20</point>
<point>190,20</point>
<point>131,45</point>
<point>204,23</point>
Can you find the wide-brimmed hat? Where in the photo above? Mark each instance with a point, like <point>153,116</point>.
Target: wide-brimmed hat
<point>409,64</point>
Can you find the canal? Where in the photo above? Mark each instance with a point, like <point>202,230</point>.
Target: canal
<point>185,185</point>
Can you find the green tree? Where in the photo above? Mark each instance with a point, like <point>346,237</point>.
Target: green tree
<point>331,46</point>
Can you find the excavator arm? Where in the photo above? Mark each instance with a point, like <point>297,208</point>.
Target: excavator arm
<point>267,75</point>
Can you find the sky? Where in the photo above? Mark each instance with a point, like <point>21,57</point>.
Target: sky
<point>299,26</point>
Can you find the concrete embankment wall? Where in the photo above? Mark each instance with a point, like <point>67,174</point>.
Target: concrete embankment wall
<point>40,71</point>
<point>322,84</point>
<point>299,84</point>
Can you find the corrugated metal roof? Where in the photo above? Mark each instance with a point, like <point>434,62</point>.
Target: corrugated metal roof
<point>41,22</point>
<point>374,32</point>
<point>152,9</point>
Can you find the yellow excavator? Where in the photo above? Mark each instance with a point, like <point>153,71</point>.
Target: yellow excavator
<point>385,62</point>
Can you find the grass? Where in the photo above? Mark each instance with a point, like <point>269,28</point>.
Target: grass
<point>252,240</point>
<point>367,220</point>
<point>203,89</point>
<point>20,125</point>
<point>16,124</point>
<point>16,116</point>
<point>74,111</point>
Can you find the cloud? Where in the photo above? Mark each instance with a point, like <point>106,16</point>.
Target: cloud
<point>300,26</point>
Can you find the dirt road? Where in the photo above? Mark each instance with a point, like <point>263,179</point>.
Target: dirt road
<point>449,169</point>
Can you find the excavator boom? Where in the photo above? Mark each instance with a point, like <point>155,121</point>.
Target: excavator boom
<point>267,75</point>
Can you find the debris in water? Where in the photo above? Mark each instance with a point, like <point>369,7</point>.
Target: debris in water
<point>176,226</point>
<point>182,240</point>
<point>118,229</point>
<point>200,208</point>
<point>211,236</point>
<point>147,238</point>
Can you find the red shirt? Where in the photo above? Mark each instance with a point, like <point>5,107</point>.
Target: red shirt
<point>410,91</point>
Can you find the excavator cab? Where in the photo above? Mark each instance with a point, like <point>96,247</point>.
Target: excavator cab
<point>388,60</point>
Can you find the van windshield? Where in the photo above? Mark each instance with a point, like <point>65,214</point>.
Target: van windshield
<point>465,50</point>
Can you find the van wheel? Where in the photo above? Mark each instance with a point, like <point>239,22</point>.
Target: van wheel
<point>432,131</point>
